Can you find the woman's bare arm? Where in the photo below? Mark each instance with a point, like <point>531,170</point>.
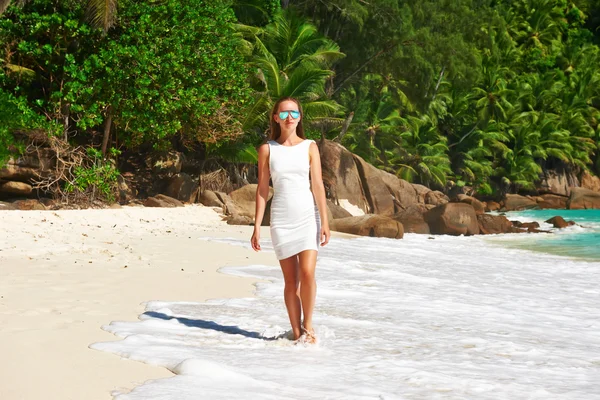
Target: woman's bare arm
<point>316,177</point>
<point>262,193</point>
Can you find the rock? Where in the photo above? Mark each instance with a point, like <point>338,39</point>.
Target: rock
<point>557,181</point>
<point>559,222</point>
<point>182,187</point>
<point>375,190</point>
<point>126,192</point>
<point>49,203</point>
<point>160,200</point>
<point>348,178</point>
<point>551,201</point>
<point>240,205</point>
<point>229,206</point>
<point>526,225</point>
<point>515,202</point>
<point>404,193</point>
<point>477,205</point>
<point>336,211</point>
<point>18,188</point>
<point>244,200</point>
<point>165,163</point>
<point>582,199</point>
<point>239,220</point>
<point>369,225</point>
<point>534,230</point>
<point>7,206</point>
<point>421,192</point>
<point>340,175</point>
<point>413,220</point>
<point>210,199</point>
<point>115,206</point>
<point>11,171</point>
<point>454,190</point>
<point>453,219</point>
<point>30,204</point>
<point>492,206</point>
<point>34,164</point>
<point>436,198</point>
<point>493,224</point>
<point>590,182</point>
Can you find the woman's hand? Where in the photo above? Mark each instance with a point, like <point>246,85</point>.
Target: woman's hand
<point>255,239</point>
<point>325,234</point>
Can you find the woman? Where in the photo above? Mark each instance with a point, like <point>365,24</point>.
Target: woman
<point>298,216</point>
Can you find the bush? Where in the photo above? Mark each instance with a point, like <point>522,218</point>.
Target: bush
<point>171,67</point>
<point>15,114</point>
<point>95,178</point>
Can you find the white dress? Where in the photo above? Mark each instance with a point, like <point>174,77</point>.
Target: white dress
<point>295,221</point>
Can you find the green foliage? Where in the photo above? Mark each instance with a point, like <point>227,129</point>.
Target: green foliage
<point>493,94</point>
<point>256,12</point>
<point>171,68</point>
<point>290,58</point>
<point>98,180</point>
<point>42,40</point>
<point>480,92</point>
<point>15,114</point>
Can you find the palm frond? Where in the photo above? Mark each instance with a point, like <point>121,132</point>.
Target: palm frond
<point>101,13</point>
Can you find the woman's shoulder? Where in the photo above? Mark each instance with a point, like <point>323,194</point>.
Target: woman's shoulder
<point>263,149</point>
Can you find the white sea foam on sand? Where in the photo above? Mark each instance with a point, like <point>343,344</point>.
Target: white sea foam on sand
<point>418,318</point>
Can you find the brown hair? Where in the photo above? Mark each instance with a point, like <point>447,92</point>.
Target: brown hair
<point>275,131</point>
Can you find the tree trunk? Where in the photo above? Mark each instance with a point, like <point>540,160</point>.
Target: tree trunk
<point>107,125</point>
<point>437,86</point>
<point>66,122</point>
<point>345,127</point>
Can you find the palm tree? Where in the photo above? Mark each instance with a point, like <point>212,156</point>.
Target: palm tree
<point>421,153</point>
<point>539,23</point>
<point>491,96</point>
<point>291,59</point>
<point>371,137</point>
<point>533,136</point>
<point>472,145</point>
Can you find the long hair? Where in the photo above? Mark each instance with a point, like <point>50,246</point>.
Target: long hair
<point>275,130</point>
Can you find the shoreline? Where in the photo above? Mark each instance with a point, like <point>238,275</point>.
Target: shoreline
<point>453,320</point>
<point>68,273</point>
<point>575,243</point>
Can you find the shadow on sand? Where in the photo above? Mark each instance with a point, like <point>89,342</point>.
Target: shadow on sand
<point>202,324</point>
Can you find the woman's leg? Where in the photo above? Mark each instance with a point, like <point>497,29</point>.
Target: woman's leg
<point>289,266</point>
<point>308,285</point>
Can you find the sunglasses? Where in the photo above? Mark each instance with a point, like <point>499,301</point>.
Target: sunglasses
<point>294,113</point>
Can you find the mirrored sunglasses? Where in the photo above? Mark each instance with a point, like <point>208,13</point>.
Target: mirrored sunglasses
<point>294,113</point>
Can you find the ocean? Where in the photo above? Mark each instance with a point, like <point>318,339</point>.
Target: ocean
<point>425,317</point>
<point>579,241</point>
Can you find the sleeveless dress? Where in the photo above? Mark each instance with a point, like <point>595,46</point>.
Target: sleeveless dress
<point>295,221</point>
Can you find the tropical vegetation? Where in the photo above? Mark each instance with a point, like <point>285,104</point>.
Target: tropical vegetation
<point>484,93</point>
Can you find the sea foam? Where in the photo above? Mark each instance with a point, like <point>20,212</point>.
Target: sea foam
<point>420,318</point>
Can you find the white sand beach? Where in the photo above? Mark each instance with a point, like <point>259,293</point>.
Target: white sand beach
<point>64,274</point>
<point>423,317</point>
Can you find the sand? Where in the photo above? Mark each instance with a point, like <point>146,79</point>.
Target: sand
<point>65,274</point>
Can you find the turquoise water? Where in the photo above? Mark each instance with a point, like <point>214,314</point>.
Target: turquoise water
<point>581,241</point>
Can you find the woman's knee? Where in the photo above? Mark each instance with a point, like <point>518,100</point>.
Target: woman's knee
<point>307,276</point>
<point>291,287</point>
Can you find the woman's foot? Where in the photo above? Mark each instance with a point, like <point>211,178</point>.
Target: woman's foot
<point>308,336</point>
